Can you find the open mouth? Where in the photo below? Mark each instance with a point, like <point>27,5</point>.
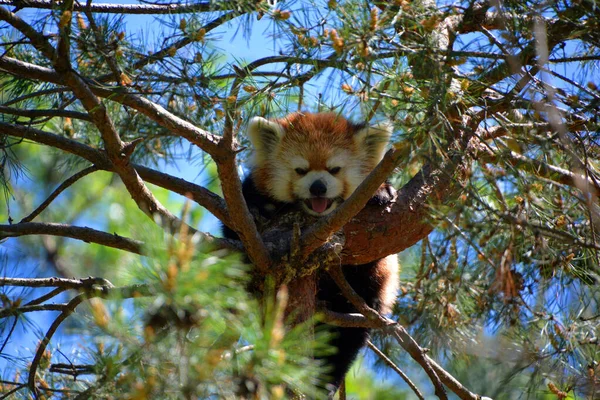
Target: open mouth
<point>319,205</point>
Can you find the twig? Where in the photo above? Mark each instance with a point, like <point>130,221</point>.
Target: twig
<point>47,296</point>
<point>349,320</point>
<point>71,369</point>
<point>68,310</point>
<point>393,366</point>
<point>6,312</point>
<point>45,113</point>
<point>34,94</point>
<point>101,44</point>
<point>10,332</point>
<point>67,183</point>
<point>342,390</point>
<point>63,283</point>
<point>453,384</point>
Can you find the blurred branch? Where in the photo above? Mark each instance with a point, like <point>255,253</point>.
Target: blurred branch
<point>63,186</point>
<point>90,290</point>
<point>543,170</point>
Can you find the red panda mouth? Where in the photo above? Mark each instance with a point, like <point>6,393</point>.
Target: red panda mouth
<point>318,204</point>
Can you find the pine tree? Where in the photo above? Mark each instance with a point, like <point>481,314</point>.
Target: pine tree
<point>121,147</point>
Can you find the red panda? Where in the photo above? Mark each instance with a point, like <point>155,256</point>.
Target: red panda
<point>314,162</point>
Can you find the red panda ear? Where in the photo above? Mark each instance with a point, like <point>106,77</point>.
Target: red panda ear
<point>374,139</point>
<point>264,134</point>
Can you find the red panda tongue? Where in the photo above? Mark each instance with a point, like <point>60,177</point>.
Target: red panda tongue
<point>318,204</point>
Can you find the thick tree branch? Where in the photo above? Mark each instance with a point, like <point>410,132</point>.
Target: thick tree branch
<point>241,221</point>
<point>375,232</point>
<point>207,199</point>
<point>319,233</point>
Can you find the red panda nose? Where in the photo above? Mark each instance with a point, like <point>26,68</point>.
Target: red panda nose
<point>318,188</point>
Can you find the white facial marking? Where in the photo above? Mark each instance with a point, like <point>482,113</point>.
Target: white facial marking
<point>299,162</point>
<point>340,159</point>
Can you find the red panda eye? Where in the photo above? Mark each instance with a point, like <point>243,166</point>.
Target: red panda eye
<point>334,170</point>
<point>301,171</point>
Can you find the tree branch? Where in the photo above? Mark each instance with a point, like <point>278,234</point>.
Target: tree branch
<point>241,221</point>
<point>91,290</point>
<point>388,326</point>
<point>84,234</point>
<point>395,368</point>
<point>63,186</point>
<point>207,199</point>
<point>45,113</point>
<point>201,138</point>
<point>133,9</point>
<point>318,233</point>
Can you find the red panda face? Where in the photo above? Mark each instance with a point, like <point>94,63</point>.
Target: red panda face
<point>317,160</point>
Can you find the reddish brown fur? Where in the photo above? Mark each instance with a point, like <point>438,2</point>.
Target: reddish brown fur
<point>317,135</point>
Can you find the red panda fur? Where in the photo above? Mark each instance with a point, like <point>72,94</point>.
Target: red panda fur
<point>315,162</point>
